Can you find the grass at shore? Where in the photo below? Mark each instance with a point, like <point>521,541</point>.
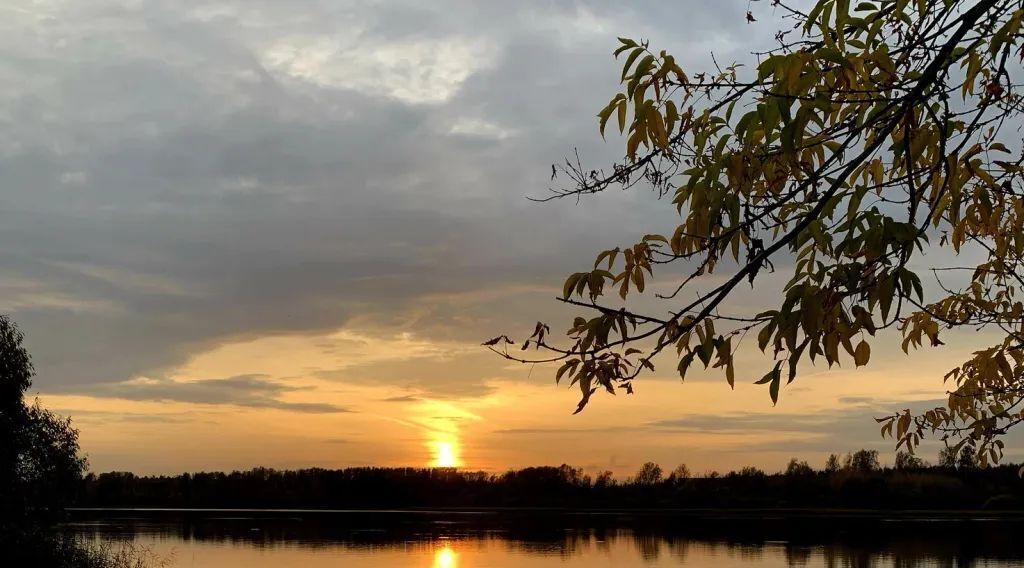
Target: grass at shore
<point>68,551</point>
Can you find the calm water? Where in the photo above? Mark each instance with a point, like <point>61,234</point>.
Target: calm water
<point>446,540</point>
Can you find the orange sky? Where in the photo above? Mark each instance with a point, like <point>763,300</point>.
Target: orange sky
<point>513,415</point>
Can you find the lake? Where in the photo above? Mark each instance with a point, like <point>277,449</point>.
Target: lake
<point>451,539</point>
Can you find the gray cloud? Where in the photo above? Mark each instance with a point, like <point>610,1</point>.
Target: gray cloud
<point>406,398</point>
<point>85,416</point>
<point>563,431</point>
<point>177,174</point>
<point>244,390</point>
<point>851,407</point>
<point>758,422</point>
<point>845,429</point>
<point>851,400</point>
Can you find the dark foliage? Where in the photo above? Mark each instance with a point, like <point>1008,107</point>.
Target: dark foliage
<point>40,467</point>
<point>46,547</point>
<point>40,471</point>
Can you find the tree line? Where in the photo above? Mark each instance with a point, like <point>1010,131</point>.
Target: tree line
<point>856,480</point>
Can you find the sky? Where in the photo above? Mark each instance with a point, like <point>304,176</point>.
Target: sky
<point>241,233</point>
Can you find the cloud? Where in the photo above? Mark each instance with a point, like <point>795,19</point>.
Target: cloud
<point>427,71</point>
<point>404,398</point>
<point>849,426</point>
<point>480,129</point>
<point>563,431</point>
<point>177,175</point>
<point>182,176</point>
<point>252,391</point>
<point>101,416</point>
<point>743,422</point>
<point>744,433</point>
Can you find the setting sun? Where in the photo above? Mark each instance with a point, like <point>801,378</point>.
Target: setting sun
<point>445,454</point>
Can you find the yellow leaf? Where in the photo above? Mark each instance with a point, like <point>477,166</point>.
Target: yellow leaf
<point>658,128</point>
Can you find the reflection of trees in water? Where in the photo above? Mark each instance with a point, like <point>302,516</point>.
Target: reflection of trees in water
<point>648,546</point>
<point>886,544</point>
<point>746,551</point>
<point>859,559</point>
<point>798,555</point>
<point>679,548</point>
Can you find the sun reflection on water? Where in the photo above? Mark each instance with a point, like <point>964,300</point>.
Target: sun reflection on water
<point>445,558</point>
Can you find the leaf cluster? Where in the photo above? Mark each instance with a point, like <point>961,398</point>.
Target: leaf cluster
<point>872,134</point>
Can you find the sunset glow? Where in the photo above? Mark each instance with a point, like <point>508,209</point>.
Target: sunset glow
<point>445,454</point>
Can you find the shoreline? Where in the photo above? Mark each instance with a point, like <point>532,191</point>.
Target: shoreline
<point>498,512</point>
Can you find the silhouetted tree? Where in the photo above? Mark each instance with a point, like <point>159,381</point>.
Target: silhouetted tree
<point>927,488</point>
<point>39,463</point>
<point>51,467</point>
<point>863,461</point>
<point>947,457</point>
<point>907,460</point>
<point>604,479</point>
<point>967,458</point>
<point>650,474</point>
<point>40,469</point>
<point>832,464</point>
<point>15,379</point>
<point>798,468</point>
<point>680,474</point>
<point>748,471</point>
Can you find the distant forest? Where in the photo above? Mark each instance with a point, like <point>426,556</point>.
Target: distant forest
<point>856,481</point>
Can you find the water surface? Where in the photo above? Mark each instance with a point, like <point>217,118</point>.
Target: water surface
<point>237,539</point>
